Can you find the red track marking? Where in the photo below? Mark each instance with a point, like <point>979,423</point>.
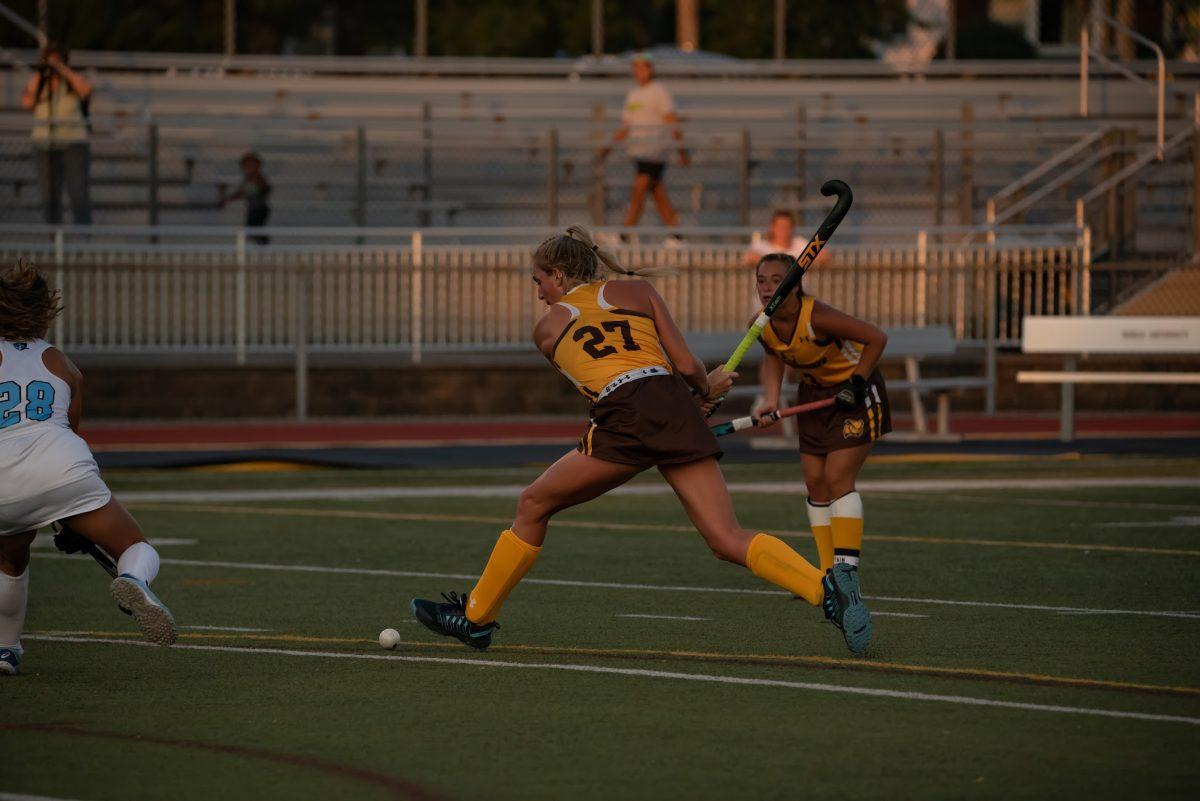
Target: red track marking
<point>115,436</point>
<point>108,436</point>
<point>394,787</point>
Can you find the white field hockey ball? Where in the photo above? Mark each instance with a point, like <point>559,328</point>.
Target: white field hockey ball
<point>389,638</point>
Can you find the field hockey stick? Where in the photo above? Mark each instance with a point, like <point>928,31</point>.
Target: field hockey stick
<point>750,421</point>
<point>67,540</point>
<point>815,245</point>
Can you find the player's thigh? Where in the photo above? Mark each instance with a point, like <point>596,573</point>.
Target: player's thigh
<point>813,465</point>
<point>842,466</point>
<point>14,552</point>
<point>701,489</point>
<point>111,527</point>
<point>574,479</point>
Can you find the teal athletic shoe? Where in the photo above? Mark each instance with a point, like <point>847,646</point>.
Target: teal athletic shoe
<point>450,620</point>
<point>10,662</point>
<point>846,609</point>
<point>134,597</point>
<point>829,604</point>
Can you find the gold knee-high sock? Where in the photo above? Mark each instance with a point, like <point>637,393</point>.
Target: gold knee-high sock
<point>771,559</point>
<point>510,560</point>
<point>846,517</point>
<point>822,531</point>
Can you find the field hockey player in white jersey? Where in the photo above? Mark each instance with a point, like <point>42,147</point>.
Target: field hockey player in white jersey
<point>48,475</point>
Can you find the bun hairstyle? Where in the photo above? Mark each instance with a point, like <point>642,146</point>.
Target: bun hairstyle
<point>27,303</point>
<point>580,258</point>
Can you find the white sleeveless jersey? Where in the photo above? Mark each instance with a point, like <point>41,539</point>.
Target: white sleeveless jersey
<point>47,471</point>
<point>30,395</point>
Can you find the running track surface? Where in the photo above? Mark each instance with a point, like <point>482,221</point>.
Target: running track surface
<point>257,434</point>
<point>514,443</point>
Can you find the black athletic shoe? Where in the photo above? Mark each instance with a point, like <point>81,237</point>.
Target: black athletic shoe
<point>450,620</point>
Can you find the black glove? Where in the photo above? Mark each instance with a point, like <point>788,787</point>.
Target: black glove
<point>68,540</point>
<point>852,393</point>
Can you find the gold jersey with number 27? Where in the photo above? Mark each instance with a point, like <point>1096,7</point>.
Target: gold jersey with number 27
<point>603,341</point>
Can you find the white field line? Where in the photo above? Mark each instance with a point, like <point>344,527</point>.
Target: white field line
<point>221,628</point>
<point>23,797</point>
<point>958,700</point>
<point>761,487</point>
<point>1174,522</point>
<point>1059,502</point>
<point>663,617</point>
<point>895,614</point>
<point>46,540</point>
<point>370,571</point>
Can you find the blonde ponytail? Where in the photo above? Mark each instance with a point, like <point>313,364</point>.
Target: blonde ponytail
<point>610,260</point>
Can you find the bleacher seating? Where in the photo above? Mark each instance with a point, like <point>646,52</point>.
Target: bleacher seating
<point>488,146</point>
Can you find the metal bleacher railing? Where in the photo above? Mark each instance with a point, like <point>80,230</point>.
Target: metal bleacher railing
<point>196,290</point>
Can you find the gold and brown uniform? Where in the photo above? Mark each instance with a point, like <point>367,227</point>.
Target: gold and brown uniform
<point>642,413</point>
<point>824,364</point>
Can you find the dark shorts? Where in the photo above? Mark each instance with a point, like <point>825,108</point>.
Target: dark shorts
<point>653,169</point>
<point>649,422</point>
<point>833,429</point>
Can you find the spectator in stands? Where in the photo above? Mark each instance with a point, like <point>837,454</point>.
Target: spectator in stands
<point>58,96</point>
<point>648,120</point>
<point>254,189</point>
<point>780,238</point>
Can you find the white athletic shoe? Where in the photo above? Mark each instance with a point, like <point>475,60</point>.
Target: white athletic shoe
<point>153,618</point>
<point>10,661</point>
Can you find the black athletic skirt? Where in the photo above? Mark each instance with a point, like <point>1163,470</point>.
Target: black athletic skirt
<point>832,429</point>
<point>649,422</point>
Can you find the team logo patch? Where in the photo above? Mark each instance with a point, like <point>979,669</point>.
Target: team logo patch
<point>852,428</point>
<point>21,345</point>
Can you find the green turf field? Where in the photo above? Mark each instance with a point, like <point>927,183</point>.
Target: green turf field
<point>1030,643</point>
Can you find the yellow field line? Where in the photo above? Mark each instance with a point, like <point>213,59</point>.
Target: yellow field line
<point>969,458</point>
<point>875,666</point>
<point>586,524</point>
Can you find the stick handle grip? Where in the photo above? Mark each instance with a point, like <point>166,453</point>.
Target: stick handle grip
<point>747,342</point>
<point>742,423</point>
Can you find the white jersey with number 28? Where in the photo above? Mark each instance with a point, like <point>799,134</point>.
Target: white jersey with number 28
<point>47,471</point>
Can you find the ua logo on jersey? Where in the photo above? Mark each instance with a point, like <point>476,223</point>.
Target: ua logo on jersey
<point>21,345</point>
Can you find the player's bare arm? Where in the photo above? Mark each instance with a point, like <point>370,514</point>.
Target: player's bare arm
<point>828,321</point>
<point>772,381</point>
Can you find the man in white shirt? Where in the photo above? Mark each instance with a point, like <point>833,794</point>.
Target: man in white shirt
<point>648,121</point>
